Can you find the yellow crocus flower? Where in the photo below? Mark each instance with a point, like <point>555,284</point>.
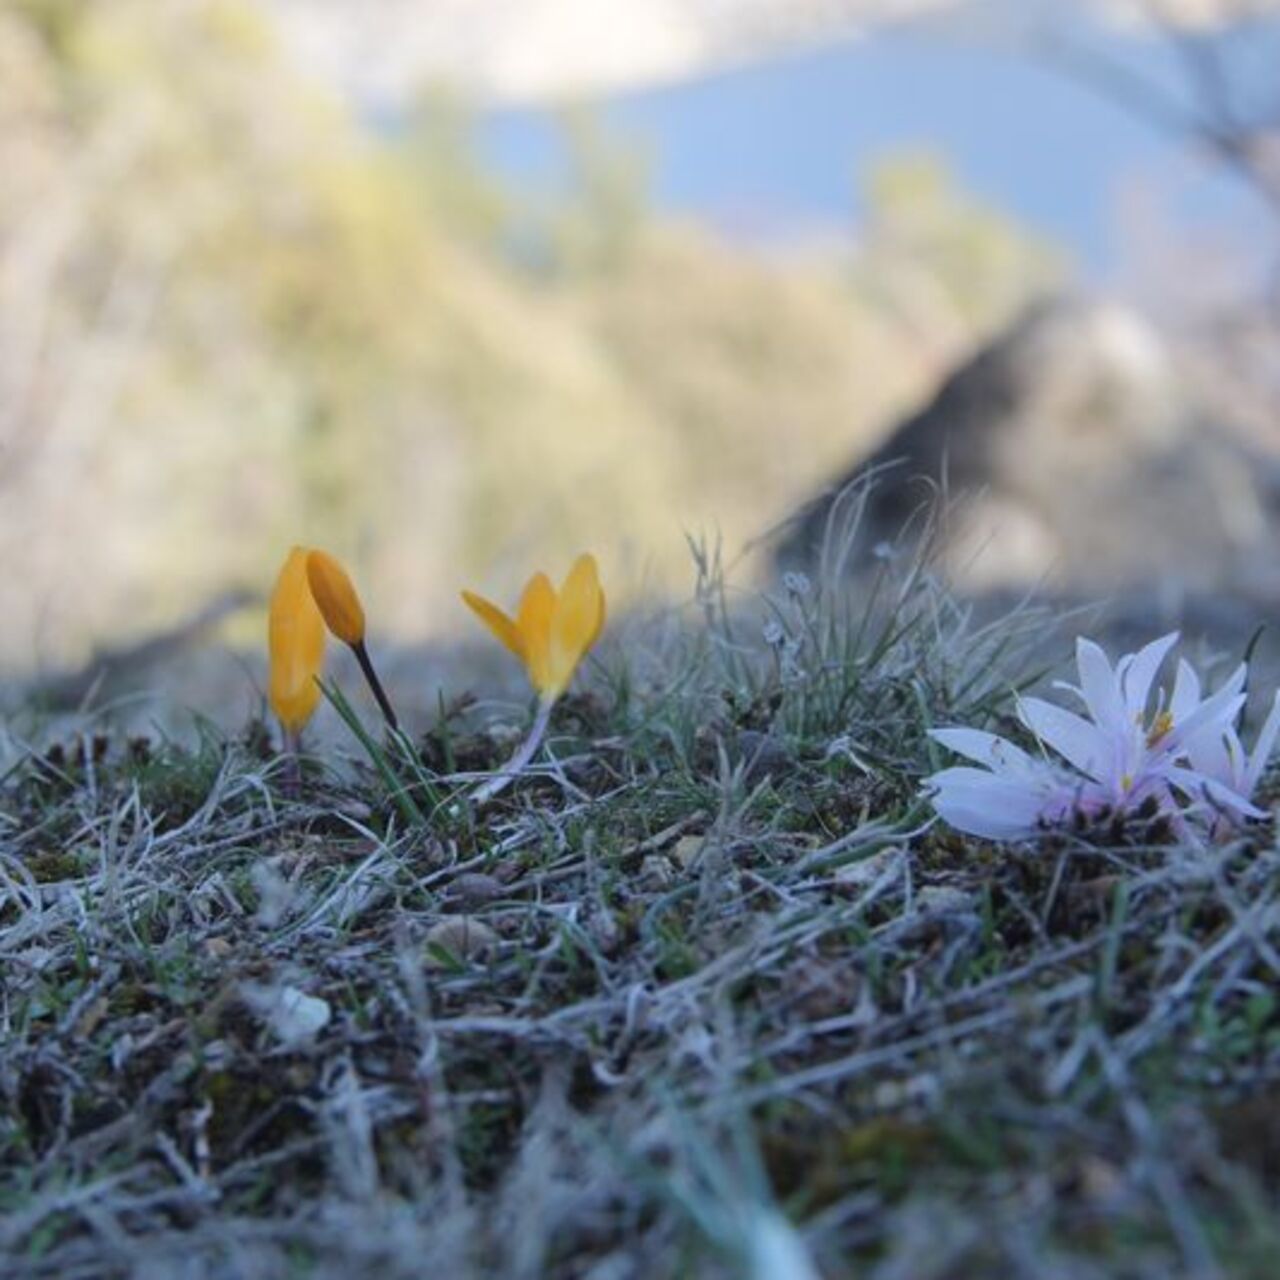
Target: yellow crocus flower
<point>295,645</point>
<point>552,630</point>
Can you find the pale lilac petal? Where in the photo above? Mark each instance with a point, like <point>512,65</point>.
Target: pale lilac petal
<point>1071,736</point>
<point>1263,748</point>
<point>1186,691</point>
<point>1236,680</point>
<point>985,748</point>
<point>1217,713</point>
<point>1140,671</point>
<point>1237,764</point>
<point>1216,794</point>
<point>1098,684</point>
<point>1209,753</point>
<point>981,803</point>
<point>1204,732</point>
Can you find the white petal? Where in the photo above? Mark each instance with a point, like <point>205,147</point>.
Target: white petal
<point>1140,671</point>
<point>1074,738</point>
<point>985,748</point>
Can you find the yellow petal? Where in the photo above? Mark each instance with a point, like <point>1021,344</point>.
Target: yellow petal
<point>295,644</point>
<point>497,622</point>
<point>336,598</point>
<point>599,627</point>
<point>578,619</point>
<point>537,608</point>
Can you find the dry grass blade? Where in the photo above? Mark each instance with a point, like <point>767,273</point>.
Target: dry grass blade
<point>704,993</point>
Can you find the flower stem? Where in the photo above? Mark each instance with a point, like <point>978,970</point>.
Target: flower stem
<point>371,677</point>
<point>293,764</point>
<point>513,768</point>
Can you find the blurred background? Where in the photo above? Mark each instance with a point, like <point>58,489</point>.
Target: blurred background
<point>457,288</point>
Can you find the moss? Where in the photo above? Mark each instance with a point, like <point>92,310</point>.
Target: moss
<point>50,866</point>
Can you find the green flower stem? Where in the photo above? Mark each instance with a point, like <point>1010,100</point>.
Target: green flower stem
<point>404,801</point>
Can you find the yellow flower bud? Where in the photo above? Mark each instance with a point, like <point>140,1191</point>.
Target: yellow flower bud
<point>336,597</point>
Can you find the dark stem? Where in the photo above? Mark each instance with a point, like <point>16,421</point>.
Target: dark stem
<point>371,676</point>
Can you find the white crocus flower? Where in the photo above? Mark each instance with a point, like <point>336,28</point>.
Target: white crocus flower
<point>1121,755</point>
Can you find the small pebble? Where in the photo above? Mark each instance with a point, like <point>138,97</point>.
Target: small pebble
<point>462,937</point>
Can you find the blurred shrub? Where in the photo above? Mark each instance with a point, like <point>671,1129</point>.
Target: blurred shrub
<point>234,316</point>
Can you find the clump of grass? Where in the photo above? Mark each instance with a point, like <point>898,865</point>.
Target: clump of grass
<point>703,994</point>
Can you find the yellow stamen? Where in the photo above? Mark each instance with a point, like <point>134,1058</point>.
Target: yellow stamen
<point>1159,727</point>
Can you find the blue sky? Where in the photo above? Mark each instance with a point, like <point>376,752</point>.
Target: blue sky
<point>781,144</point>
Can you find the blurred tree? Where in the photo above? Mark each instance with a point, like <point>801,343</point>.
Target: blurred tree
<point>608,202</point>
<point>438,147</point>
<point>233,316</point>
<point>950,269</point>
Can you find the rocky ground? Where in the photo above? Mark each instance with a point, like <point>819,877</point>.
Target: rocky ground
<point>705,994</point>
